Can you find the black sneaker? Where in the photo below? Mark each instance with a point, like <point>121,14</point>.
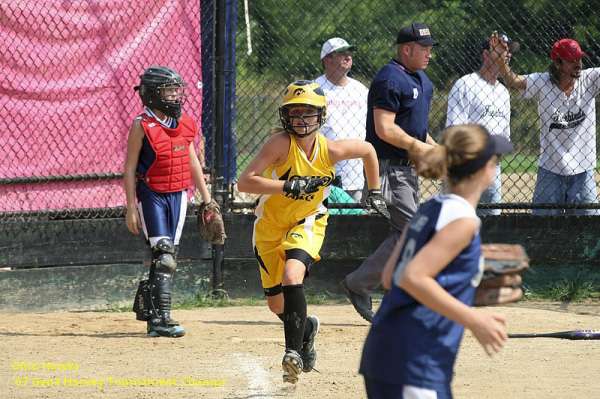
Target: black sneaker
<point>309,352</point>
<point>292,366</point>
<point>159,329</point>
<point>362,304</point>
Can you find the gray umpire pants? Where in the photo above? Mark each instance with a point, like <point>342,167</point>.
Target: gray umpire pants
<point>400,189</point>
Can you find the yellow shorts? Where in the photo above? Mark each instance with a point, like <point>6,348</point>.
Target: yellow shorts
<point>270,243</point>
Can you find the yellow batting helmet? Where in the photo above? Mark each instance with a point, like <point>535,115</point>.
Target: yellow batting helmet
<point>303,93</point>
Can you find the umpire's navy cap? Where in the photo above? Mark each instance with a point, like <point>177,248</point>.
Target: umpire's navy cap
<point>416,33</point>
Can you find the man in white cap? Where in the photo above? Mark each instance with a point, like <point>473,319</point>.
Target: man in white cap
<point>346,110</point>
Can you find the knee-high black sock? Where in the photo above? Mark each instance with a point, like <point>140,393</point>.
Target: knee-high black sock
<point>308,329</point>
<point>294,311</point>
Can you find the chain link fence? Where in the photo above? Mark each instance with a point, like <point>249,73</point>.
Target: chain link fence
<point>280,43</point>
<point>67,99</point>
<point>68,68</point>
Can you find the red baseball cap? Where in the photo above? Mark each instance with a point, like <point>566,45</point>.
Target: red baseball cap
<point>568,50</point>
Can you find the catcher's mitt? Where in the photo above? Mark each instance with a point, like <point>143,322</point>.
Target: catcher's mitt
<point>210,223</point>
<point>501,282</point>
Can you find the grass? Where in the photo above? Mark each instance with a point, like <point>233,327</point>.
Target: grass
<point>322,298</point>
<point>566,290</point>
<point>519,164</point>
<point>218,297</point>
<point>212,297</point>
<point>523,164</point>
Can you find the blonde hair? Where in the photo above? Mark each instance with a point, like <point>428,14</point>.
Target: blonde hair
<point>458,144</point>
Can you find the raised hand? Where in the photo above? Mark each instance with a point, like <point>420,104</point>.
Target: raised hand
<point>498,49</point>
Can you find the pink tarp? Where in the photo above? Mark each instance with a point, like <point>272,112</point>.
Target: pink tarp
<point>67,74</point>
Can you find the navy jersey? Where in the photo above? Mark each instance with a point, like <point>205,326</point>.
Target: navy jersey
<point>406,93</point>
<point>420,344</point>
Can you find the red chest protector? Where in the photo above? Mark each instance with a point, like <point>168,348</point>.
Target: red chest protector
<point>170,172</point>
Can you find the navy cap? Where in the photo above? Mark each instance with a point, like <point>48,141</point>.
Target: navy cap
<point>512,45</point>
<point>416,33</point>
<point>497,145</point>
<point>500,145</point>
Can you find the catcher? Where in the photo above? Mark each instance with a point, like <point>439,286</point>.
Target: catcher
<point>160,163</point>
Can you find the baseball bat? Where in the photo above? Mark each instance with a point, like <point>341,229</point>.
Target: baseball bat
<point>573,335</point>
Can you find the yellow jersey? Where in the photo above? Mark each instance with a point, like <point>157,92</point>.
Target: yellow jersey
<point>286,210</point>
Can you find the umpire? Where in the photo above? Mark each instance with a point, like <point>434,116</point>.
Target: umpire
<point>397,125</point>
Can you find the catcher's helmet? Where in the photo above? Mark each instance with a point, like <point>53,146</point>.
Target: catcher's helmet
<point>155,81</point>
<point>303,93</point>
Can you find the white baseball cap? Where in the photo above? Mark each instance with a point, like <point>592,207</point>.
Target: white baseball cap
<point>335,44</point>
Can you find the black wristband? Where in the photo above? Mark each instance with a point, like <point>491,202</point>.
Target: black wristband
<point>375,191</point>
<point>289,187</point>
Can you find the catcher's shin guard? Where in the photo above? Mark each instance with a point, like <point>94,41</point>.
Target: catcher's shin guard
<point>153,297</point>
<point>160,290</point>
<point>163,266</point>
<point>160,323</point>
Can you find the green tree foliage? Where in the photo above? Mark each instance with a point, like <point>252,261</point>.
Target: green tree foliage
<point>287,37</point>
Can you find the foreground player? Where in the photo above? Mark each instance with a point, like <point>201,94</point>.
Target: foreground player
<point>160,162</point>
<point>433,274</point>
<point>294,171</point>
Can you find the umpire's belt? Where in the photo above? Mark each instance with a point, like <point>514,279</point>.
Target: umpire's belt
<point>398,162</point>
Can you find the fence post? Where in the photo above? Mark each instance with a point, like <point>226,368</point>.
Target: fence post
<point>218,160</point>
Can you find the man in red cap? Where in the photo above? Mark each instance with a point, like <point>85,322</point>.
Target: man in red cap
<point>567,111</point>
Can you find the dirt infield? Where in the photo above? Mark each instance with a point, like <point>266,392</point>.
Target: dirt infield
<point>235,352</point>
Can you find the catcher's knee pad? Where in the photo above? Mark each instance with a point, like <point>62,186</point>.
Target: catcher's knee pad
<point>164,256</point>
